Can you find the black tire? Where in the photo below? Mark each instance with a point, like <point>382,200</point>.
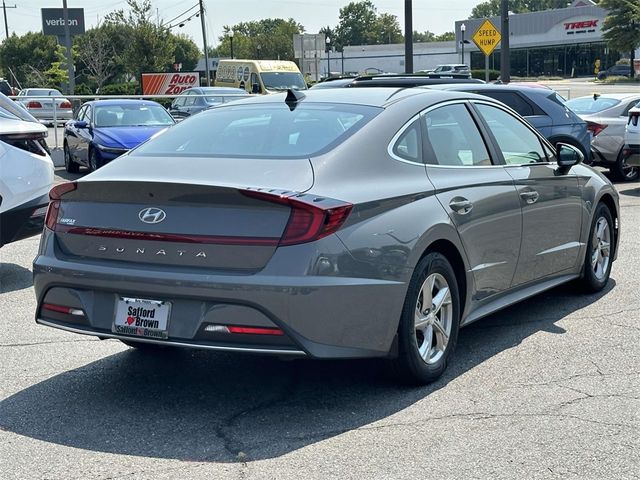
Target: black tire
<point>623,173</point>
<point>144,346</point>
<point>69,165</point>
<point>409,366</point>
<point>590,282</point>
<point>94,161</point>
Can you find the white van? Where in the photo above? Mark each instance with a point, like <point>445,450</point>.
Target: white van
<point>26,173</point>
<point>260,76</point>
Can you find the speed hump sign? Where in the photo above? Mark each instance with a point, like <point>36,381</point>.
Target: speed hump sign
<point>487,37</point>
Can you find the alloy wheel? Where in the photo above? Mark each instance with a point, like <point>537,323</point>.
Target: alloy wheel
<point>601,248</point>
<point>433,318</point>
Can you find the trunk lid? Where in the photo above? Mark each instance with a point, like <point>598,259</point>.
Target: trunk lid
<point>164,214</point>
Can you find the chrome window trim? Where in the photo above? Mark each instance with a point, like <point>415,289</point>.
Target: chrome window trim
<point>395,139</point>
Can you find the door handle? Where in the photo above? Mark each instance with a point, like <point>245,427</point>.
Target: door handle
<point>530,197</point>
<point>461,205</point>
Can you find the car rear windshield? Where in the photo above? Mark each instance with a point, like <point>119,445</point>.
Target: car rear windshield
<point>588,105</point>
<point>261,131</point>
<point>42,92</point>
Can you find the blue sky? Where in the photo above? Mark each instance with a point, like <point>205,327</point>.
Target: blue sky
<point>434,15</point>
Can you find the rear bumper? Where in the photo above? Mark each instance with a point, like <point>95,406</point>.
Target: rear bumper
<point>47,115</point>
<point>321,316</point>
<point>24,221</point>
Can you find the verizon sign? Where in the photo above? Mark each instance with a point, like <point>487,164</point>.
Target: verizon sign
<point>53,21</point>
<point>169,83</point>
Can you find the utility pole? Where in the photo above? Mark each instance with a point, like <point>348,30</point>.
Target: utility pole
<point>67,42</point>
<point>204,43</point>
<point>6,25</point>
<point>408,36</point>
<point>505,60</point>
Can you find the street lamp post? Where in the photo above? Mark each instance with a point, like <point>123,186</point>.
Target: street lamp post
<point>327,41</point>
<point>463,28</point>
<point>231,41</point>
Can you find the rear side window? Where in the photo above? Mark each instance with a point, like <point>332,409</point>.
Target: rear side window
<point>453,137</point>
<point>265,130</point>
<point>512,100</point>
<point>407,146</point>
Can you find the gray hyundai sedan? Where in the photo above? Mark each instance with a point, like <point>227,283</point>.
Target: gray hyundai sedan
<point>337,223</point>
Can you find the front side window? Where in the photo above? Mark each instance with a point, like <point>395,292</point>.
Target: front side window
<point>518,144</point>
<point>264,130</point>
<point>190,100</point>
<point>453,137</point>
<point>81,112</point>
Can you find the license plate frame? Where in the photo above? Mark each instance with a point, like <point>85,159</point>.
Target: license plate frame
<point>142,320</point>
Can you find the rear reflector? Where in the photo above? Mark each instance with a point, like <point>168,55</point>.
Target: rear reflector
<point>243,330</point>
<point>62,309</point>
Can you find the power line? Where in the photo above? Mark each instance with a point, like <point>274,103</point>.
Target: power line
<point>180,15</point>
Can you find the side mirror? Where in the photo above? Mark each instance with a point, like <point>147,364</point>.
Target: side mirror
<point>81,124</point>
<point>568,155</point>
<point>255,88</point>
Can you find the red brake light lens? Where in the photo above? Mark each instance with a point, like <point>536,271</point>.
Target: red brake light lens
<point>595,128</point>
<point>311,218</point>
<point>65,104</point>
<point>55,194</point>
<point>34,104</point>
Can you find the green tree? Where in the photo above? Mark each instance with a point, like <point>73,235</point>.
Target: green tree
<point>57,74</point>
<point>621,28</point>
<point>97,58</point>
<point>491,8</point>
<point>425,36</point>
<point>388,29</point>
<point>185,52</point>
<point>445,37</point>
<point>150,46</point>
<point>28,56</point>
<point>358,24</point>
<point>271,38</point>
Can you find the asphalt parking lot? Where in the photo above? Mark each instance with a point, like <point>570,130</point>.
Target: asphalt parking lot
<point>549,388</point>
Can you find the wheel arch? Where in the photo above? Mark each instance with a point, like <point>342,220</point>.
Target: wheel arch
<point>608,200</point>
<point>453,254</point>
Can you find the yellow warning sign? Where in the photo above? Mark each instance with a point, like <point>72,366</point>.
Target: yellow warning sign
<point>487,37</point>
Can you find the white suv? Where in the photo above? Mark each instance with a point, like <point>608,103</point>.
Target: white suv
<point>632,137</point>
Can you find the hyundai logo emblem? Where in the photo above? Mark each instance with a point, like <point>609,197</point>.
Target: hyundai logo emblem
<point>152,215</point>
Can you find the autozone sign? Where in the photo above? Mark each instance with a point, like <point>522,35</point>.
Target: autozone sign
<point>168,83</point>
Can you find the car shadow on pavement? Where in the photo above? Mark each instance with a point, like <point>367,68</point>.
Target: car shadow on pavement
<point>205,406</point>
<point>62,173</point>
<point>14,277</point>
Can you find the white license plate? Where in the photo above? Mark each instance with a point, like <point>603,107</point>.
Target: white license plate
<point>142,317</point>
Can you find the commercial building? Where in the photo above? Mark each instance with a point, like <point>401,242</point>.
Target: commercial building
<point>565,42</point>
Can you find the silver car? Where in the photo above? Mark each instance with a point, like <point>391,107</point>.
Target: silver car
<point>336,223</point>
<point>606,116</point>
<point>40,102</point>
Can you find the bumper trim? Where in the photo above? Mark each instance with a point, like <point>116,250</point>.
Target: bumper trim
<point>171,343</point>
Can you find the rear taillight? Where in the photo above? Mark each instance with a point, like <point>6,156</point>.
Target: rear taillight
<point>55,195</point>
<point>595,128</point>
<point>311,218</point>
<point>34,104</point>
<point>66,104</point>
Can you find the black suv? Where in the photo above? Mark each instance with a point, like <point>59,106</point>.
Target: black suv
<point>615,71</point>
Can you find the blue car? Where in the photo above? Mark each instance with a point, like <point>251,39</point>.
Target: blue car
<point>105,129</point>
<point>542,107</point>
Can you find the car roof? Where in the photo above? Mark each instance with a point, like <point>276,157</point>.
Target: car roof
<point>121,101</point>
<point>491,86</point>
<point>215,90</point>
<point>375,96</point>
<point>615,96</point>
